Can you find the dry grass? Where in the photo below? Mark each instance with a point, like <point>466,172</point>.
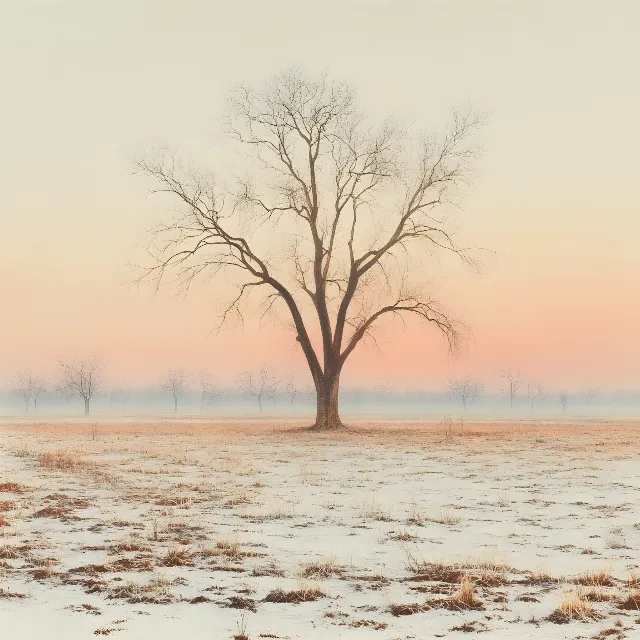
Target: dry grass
<point>540,577</point>
<point>615,540</point>
<point>6,593</point>
<point>65,460</point>
<point>435,572</point>
<point>178,558</point>
<point>155,592</point>
<point>270,569</point>
<point>401,536</point>
<point>321,569</point>
<point>443,516</point>
<point>601,578</point>
<point>8,552</point>
<point>582,438</point>
<point>279,511</point>
<point>631,602</point>
<point>463,599</point>
<point>465,596</point>
<point>574,606</point>
<point>633,580</point>
<point>455,585</point>
<point>374,510</point>
<point>307,592</point>
<point>130,544</point>
<point>226,547</point>
<point>12,487</point>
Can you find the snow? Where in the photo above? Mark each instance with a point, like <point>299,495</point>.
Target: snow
<point>290,498</point>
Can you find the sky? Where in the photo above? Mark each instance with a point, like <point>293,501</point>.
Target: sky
<point>88,85</point>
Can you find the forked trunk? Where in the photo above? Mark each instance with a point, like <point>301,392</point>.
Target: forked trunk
<point>327,411</point>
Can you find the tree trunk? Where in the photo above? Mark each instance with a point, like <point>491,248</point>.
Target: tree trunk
<point>327,411</point>
<point>175,404</point>
<point>86,406</point>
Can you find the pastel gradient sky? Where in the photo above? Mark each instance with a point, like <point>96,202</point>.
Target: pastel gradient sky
<point>88,84</point>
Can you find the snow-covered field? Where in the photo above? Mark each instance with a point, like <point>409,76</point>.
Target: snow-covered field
<point>175,530</point>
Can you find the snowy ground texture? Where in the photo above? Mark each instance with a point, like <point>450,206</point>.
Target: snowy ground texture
<point>396,531</point>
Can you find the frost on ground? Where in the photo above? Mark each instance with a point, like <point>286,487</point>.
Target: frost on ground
<point>397,531</point>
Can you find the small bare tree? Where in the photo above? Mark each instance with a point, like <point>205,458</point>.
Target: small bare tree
<point>591,394</point>
<point>122,396</point>
<point>262,387</point>
<point>382,390</point>
<point>465,389</point>
<point>292,391</point>
<point>174,385</point>
<point>28,386</point>
<point>65,393</point>
<point>514,382</point>
<point>40,388</point>
<point>207,388</point>
<point>535,393</point>
<point>356,209</point>
<point>563,400</point>
<point>81,378</point>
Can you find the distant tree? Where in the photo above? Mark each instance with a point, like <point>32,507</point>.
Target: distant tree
<point>292,391</point>
<point>591,394</point>
<point>535,393</point>
<point>122,396</point>
<point>382,390</point>
<point>263,386</point>
<point>174,385</point>
<point>207,388</point>
<point>465,389</point>
<point>563,400</point>
<point>81,378</point>
<point>308,393</point>
<point>28,386</point>
<point>40,388</point>
<point>514,381</point>
<point>65,394</point>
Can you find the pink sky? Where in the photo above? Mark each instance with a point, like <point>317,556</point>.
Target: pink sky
<point>556,195</point>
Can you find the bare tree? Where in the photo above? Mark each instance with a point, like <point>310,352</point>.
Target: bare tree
<point>263,386</point>
<point>40,388</point>
<point>382,390</point>
<point>28,387</point>
<point>358,208</point>
<point>308,393</point>
<point>591,394</point>
<point>81,378</point>
<point>563,400</point>
<point>174,385</point>
<point>514,382</point>
<point>65,394</point>
<point>207,388</point>
<point>292,391</point>
<point>535,393</point>
<point>465,389</point>
<point>121,395</point>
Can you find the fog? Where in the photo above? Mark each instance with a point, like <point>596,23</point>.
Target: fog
<point>357,404</point>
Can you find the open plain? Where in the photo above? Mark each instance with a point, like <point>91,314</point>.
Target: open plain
<point>265,530</point>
